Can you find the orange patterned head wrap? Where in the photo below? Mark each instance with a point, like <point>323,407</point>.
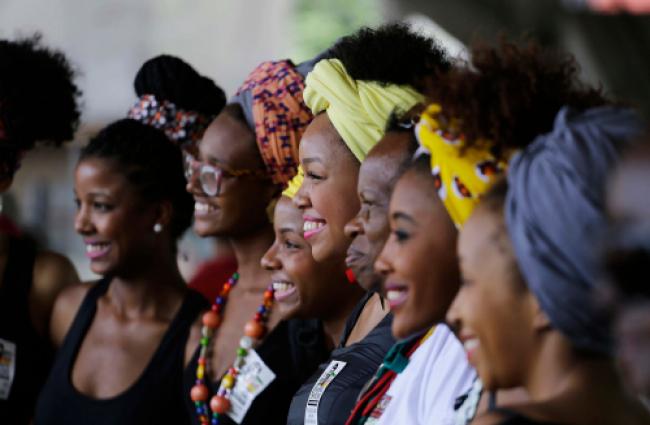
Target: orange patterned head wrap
<point>271,98</point>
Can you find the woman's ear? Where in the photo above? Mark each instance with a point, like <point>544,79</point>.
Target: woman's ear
<point>164,214</point>
<point>540,320</point>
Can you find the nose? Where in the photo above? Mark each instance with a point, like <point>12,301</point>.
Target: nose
<point>302,200</point>
<point>82,223</point>
<point>270,259</point>
<point>354,227</point>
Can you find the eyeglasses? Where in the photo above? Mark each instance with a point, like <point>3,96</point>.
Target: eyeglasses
<point>211,176</point>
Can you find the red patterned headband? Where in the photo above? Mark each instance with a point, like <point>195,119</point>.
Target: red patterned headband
<point>181,126</point>
<point>279,114</point>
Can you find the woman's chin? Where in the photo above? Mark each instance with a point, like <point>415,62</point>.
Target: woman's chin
<point>289,310</point>
<point>204,229</point>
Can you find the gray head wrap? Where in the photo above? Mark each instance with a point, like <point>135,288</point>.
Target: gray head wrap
<point>555,212</point>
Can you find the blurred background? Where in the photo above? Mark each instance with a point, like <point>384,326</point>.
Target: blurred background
<point>107,41</point>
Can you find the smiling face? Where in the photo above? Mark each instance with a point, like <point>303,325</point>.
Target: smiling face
<point>370,229</point>
<point>493,313</point>
<point>303,287</point>
<point>117,228</point>
<point>327,196</point>
<point>418,261</point>
<point>240,208</point>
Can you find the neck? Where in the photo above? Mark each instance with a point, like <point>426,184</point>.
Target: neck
<point>154,291</point>
<point>334,323</point>
<point>558,369</point>
<point>249,251</point>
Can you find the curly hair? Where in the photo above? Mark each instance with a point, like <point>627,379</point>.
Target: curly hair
<point>390,54</point>
<point>172,79</point>
<point>38,96</point>
<point>511,92</point>
<point>150,161</point>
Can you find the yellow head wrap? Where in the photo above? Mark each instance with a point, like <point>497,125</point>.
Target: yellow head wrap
<point>359,110</point>
<point>295,183</point>
<point>462,174</point>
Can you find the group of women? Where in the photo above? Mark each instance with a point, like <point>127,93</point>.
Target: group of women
<point>417,241</point>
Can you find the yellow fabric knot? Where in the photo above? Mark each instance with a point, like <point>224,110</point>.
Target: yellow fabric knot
<point>294,183</point>
<point>462,173</point>
<point>359,110</point>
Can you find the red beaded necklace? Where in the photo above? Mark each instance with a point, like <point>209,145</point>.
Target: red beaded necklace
<point>254,331</point>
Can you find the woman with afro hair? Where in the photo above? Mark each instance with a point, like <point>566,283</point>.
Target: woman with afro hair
<point>526,310</point>
<point>38,104</point>
<point>481,113</point>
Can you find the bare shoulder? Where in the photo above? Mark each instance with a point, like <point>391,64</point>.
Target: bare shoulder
<point>194,338</point>
<point>51,274</point>
<point>65,309</point>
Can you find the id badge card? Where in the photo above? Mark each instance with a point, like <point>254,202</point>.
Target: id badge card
<point>7,367</point>
<point>317,391</point>
<point>253,378</point>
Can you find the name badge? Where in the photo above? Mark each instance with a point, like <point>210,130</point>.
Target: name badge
<point>253,378</point>
<point>7,367</point>
<point>317,391</point>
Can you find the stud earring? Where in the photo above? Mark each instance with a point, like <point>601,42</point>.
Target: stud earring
<point>157,227</point>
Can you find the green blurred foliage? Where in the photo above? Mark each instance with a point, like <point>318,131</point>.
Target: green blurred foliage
<point>318,23</point>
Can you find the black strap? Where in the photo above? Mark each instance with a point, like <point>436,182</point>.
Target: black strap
<point>492,401</point>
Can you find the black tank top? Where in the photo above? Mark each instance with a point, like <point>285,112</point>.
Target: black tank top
<point>20,345</point>
<point>156,397</point>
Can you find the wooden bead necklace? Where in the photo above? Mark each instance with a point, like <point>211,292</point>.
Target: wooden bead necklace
<point>254,331</point>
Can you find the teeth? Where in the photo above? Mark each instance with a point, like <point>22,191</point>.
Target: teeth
<point>312,225</point>
<point>202,207</point>
<point>95,247</point>
<point>394,294</point>
<point>471,344</point>
<point>282,286</point>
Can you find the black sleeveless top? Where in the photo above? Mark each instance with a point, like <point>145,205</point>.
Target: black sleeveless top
<point>20,345</point>
<point>292,350</point>
<point>351,367</point>
<point>156,397</point>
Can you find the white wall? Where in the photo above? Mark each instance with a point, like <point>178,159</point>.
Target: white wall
<point>107,41</point>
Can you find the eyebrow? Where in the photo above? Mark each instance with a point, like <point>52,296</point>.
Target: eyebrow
<point>95,193</point>
<point>287,230</point>
<point>403,216</point>
<point>372,195</point>
<point>213,159</point>
<point>310,160</point>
